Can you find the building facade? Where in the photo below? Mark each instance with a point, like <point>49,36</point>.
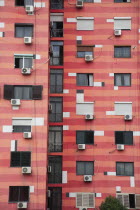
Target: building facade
<point>69,103</point>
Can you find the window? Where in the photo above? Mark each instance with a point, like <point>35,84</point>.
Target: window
<point>84,80</point>
<point>124,169</point>
<point>23,30</point>
<point>84,50</point>
<point>123,23</point>
<point>18,194</point>
<point>55,138</point>
<point>85,200</point>
<point>20,159</point>
<point>129,200</point>
<point>21,125</point>
<point>55,165</point>
<point>84,137</point>
<point>84,167</point>
<point>23,2</point>
<point>88,1</point>
<point>23,61</point>
<point>122,1</point>
<point>123,108</point>
<point>122,52</point>
<point>56,24</point>
<point>23,92</point>
<point>56,81</point>
<point>56,114</point>
<point>57,53</point>
<point>85,23</point>
<point>55,200</point>
<point>124,137</point>
<point>56,4</point>
<point>85,108</point>
<point>122,79</point>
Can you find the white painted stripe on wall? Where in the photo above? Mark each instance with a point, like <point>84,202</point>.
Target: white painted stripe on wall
<point>98,45</point>
<point>72,195</point>
<point>7,129</point>
<point>66,114</point>
<point>65,91</point>
<point>13,145</point>
<point>2,25</point>
<point>116,87</point>
<point>136,133</point>
<point>64,177</point>
<point>37,57</point>
<point>79,38</point>
<point>65,127</point>
<point>98,133</point>
<point>97,1</point>
<point>111,173</point>
<point>2,3</point>
<point>71,20</point>
<point>118,189</point>
<point>98,195</point>
<point>15,107</point>
<point>72,74</point>
<point>139,41</point>
<point>39,121</point>
<point>110,112</point>
<point>132,181</point>
<point>80,98</point>
<point>32,189</point>
<point>39,4</point>
<point>111,74</point>
<point>97,84</point>
<point>110,20</point>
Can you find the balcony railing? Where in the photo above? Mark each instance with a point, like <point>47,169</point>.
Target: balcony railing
<point>57,33</point>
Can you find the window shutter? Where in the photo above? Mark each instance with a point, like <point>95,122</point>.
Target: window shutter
<point>137,199</point>
<point>122,24</point>
<point>85,49</point>
<point>8,92</point>
<point>37,92</point>
<point>79,200</point>
<point>126,200</point>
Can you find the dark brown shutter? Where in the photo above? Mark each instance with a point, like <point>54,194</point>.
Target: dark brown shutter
<point>84,49</point>
<point>8,92</point>
<point>37,92</point>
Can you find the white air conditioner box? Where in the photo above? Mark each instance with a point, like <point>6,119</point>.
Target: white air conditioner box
<point>81,146</point>
<point>22,205</point>
<point>27,40</point>
<point>117,32</point>
<point>15,102</point>
<point>128,117</point>
<point>27,135</point>
<point>120,147</point>
<point>79,3</point>
<point>26,71</point>
<point>89,117</point>
<point>29,8</point>
<point>88,58</point>
<point>26,170</point>
<point>88,178</point>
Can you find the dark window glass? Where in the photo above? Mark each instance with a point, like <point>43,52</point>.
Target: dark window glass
<point>55,200</point>
<point>84,137</point>
<point>122,52</point>
<point>55,163</point>
<point>19,2</point>
<point>23,62</point>
<point>121,1</point>
<point>124,169</point>
<point>18,193</point>
<point>84,167</point>
<point>21,128</point>
<point>56,29</point>
<point>23,30</point>
<point>82,54</point>
<point>20,159</point>
<point>56,81</point>
<point>84,79</point>
<point>57,112</point>
<point>55,138</point>
<point>124,137</point>
<point>122,79</point>
<point>23,92</point>
<point>88,1</point>
<point>132,200</point>
<point>57,53</point>
<point>56,4</point>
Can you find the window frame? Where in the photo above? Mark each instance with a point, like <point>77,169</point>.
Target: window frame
<point>122,79</point>
<point>124,137</point>
<point>24,25</point>
<point>115,47</point>
<point>122,1</point>
<point>20,159</point>
<point>56,75</point>
<point>62,5</point>
<point>60,51</point>
<point>124,168</point>
<point>55,177</point>
<point>85,137</point>
<point>53,112</point>
<point>54,139</point>
<point>19,188</point>
<point>89,76</point>
<point>19,5</point>
<point>23,57</point>
<point>84,168</point>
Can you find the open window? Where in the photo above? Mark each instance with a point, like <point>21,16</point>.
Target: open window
<point>56,24</point>
<point>124,168</point>
<point>124,137</point>
<point>20,159</point>
<point>24,2</point>
<point>23,61</point>
<point>83,79</point>
<point>18,194</point>
<point>129,200</point>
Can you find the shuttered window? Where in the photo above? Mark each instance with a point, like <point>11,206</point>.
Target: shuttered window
<point>86,200</point>
<point>85,23</point>
<point>20,159</point>
<point>84,50</point>
<point>21,125</point>
<point>84,167</point>
<point>18,194</point>
<point>84,108</point>
<point>124,137</point>
<point>122,23</point>
<point>124,169</point>
<point>23,92</point>
<point>123,108</point>
<point>84,137</point>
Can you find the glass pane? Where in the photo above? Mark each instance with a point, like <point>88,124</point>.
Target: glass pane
<point>27,93</point>
<point>128,137</point>
<point>27,62</point>
<point>25,159</point>
<point>80,54</point>
<point>19,31</point>
<point>18,92</point>
<point>83,79</point>
<point>89,137</point>
<point>79,168</point>
<point>127,81</point>
<point>15,159</point>
<point>119,137</point>
<point>24,194</point>
<point>80,137</point>
<point>118,80</point>
<point>89,168</point>
<point>13,193</point>
<point>21,128</point>
<point>58,108</point>
<point>120,169</point>
<point>129,169</point>
<point>28,31</point>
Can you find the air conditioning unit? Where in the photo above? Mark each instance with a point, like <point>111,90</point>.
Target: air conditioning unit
<point>89,117</point>
<point>27,40</point>
<point>26,71</point>
<point>81,146</point>
<point>79,3</point>
<point>88,58</point>
<point>15,102</point>
<point>83,208</point>
<point>29,9</point>
<point>26,170</point>
<point>120,147</point>
<point>128,117</point>
<point>117,32</point>
<point>88,178</point>
<point>27,135</point>
<point>22,205</point>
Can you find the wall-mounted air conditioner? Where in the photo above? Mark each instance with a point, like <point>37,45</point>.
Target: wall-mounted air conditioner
<point>89,117</point>
<point>79,3</point>
<point>26,71</point>
<point>27,40</point>
<point>26,170</point>
<point>88,58</point>
<point>88,178</point>
<point>15,102</point>
<point>120,147</point>
<point>128,117</point>
<point>117,32</point>
<point>29,9</point>
<point>81,146</point>
<point>22,205</point>
<point>27,135</point>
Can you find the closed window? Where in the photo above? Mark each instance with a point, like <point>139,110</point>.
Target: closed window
<point>56,29</point>
<point>56,114</point>
<point>85,23</point>
<point>122,1</point>
<point>55,167</point>
<point>23,61</point>
<point>55,200</point>
<point>24,2</point>
<point>129,200</point>
<point>23,92</point>
<point>55,138</point>
<point>56,4</point>
<point>84,137</point>
<point>84,79</point>
<point>20,159</point>
<point>23,30</point>
<point>56,81</point>
<point>21,128</point>
<point>122,52</point>
<point>84,167</point>
<point>123,23</point>
<point>124,169</point>
<point>123,108</point>
<point>18,194</point>
<point>84,50</point>
<point>57,53</point>
<point>88,1</point>
<point>85,199</point>
<point>122,79</point>
<point>124,137</point>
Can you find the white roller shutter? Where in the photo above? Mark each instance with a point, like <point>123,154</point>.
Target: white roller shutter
<point>123,108</point>
<point>122,23</point>
<point>21,122</point>
<point>84,108</point>
<point>56,17</point>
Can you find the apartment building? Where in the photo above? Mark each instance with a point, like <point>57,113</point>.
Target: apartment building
<point>69,82</point>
